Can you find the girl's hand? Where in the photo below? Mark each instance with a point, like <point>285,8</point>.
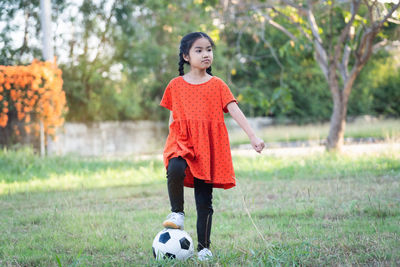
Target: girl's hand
<point>257,144</point>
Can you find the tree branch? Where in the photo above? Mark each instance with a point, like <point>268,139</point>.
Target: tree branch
<point>322,57</point>
<point>262,36</point>
<point>365,49</point>
<point>322,61</point>
<point>343,66</point>
<point>104,33</point>
<point>240,33</point>
<point>341,41</point>
<point>298,26</point>
<point>362,55</point>
<point>279,27</point>
<point>388,15</point>
<point>313,25</point>
<point>345,32</point>
<point>273,53</point>
<point>298,7</point>
<point>376,47</point>
<point>371,17</point>
<point>394,21</point>
<point>256,8</point>
<point>24,46</point>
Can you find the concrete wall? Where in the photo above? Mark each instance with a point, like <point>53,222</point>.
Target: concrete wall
<point>121,138</point>
<point>109,138</point>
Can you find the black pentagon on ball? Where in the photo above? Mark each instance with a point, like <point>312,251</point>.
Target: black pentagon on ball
<point>185,244</point>
<point>154,252</point>
<point>164,238</point>
<point>169,256</point>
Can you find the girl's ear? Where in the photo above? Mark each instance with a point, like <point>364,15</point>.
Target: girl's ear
<point>186,57</point>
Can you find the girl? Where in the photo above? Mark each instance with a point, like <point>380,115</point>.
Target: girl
<point>197,151</point>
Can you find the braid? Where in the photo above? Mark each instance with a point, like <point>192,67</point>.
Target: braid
<point>181,64</point>
<point>209,71</point>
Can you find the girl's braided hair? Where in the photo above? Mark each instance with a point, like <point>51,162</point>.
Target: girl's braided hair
<point>186,43</point>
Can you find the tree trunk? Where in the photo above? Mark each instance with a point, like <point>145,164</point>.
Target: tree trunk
<point>340,99</point>
<point>337,125</point>
<point>338,119</point>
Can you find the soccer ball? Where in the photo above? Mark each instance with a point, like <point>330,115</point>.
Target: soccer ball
<point>173,244</point>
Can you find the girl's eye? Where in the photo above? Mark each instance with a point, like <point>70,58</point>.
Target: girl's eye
<point>198,51</point>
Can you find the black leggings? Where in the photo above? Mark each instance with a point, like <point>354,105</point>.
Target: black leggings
<point>202,195</point>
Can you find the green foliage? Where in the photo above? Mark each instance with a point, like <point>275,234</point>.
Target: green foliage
<point>386,92</point>
<point>304,95</point>
<point>280,101</point>
<point>10,11</point>
<point>145,37</point>
<point>20,42</point>
<point>376,90</point>
<point>294,67</point>
<point>387,95</point>
<point>122,75</point>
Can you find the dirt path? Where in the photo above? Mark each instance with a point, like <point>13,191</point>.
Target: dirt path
<point>352,149</point>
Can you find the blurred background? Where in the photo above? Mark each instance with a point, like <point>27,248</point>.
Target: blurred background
<point>116,57</point>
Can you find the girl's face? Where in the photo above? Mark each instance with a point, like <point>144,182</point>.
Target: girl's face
<point>200,54</point>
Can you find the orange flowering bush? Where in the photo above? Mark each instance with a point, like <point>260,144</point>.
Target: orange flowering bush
<point>34,93</point>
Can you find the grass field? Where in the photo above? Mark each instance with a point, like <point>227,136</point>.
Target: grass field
<point>316,210</point>
<point>388,130</point>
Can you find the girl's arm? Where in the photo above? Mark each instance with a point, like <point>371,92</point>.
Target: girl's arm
<point>171,119</point>
<point>238,116</point>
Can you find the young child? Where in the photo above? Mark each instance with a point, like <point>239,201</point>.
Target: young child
<point>197,151</point>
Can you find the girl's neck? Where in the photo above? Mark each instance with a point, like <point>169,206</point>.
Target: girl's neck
<point>197,76</point>
<point>197,73</point>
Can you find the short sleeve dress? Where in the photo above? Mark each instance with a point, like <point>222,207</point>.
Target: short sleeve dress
<point>198,132</point>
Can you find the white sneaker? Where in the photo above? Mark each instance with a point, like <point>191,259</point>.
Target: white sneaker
<point>204,255</point>
<point>174,220</point>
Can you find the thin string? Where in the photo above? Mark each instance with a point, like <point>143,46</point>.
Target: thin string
<point>268,244</point>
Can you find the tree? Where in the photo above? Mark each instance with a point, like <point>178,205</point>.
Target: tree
<point>20,43</point>
<point>29,94</point>
<point>343,37</point>
<point>138,41</point>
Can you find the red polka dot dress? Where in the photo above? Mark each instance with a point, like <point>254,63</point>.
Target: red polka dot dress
<point>198,132</point>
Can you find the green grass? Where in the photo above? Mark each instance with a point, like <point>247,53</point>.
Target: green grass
<point>318,210</point>
<point>388,130</point>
